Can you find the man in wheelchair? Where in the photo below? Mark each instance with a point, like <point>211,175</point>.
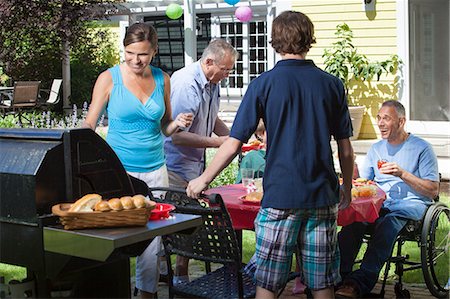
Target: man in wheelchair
<point>405,167</point>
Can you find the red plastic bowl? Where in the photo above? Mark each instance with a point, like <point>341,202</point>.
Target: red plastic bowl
<point>161,211</point>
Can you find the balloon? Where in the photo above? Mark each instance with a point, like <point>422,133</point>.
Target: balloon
<point>174,11</point>
<point>244,13</point>
<point>231,2</point>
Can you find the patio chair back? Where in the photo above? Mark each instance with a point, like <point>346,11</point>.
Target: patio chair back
<point>53,93</point>
<point>215,242</point>
<point>25,94</point>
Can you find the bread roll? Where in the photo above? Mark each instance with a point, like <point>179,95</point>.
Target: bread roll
<point>255,142</point>
<point>139,201</point>
<point>254,196</point>
<point>86,203</point>
<point>102,206</point>
<point>115,204</point>
<point>127,202</point>
<point>367,191</point>
<point>149,203</point>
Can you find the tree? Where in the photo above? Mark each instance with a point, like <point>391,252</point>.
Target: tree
<point>33,33</point>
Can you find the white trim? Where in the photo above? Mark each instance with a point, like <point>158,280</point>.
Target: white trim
<point>271,11</point>
<point>245,57</point>
<point>403,52</point>
<point>429,128</point>
<point>280,7</point>
<point>190,39</point>
<point>214,6</point>
<point>122,30</point>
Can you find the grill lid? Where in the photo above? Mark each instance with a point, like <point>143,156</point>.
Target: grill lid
<point>40,168</point>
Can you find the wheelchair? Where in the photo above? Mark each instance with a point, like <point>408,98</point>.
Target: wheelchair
<point>432,235</point>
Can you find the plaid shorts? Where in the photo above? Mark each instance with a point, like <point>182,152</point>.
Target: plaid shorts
<point>277,234</point>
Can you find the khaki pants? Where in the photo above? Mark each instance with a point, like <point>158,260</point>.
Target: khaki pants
<point>176,181</point>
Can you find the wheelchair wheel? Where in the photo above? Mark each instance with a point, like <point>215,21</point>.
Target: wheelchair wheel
<point>435,249</point>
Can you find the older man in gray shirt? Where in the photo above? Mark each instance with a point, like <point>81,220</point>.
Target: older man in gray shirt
<point>195,89</point>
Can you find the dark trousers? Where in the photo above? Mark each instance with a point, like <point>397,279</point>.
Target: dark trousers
<point>385,231</point>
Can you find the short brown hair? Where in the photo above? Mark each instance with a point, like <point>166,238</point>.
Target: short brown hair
<point>292,33</point>
<point>139,32</point>
<point>399,108</point>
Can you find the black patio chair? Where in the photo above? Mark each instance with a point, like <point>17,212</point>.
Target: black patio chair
<point>214,242</point>
<point>25,97</point>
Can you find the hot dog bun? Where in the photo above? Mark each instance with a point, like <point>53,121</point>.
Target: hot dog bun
<point>86,203</point>
<point>149,203</point>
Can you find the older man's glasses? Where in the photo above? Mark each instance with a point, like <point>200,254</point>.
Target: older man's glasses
<point>224,69</point>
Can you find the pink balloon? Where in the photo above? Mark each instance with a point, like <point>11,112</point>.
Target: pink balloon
<point>244,13</point>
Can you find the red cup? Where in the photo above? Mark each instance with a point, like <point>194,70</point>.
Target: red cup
<point>381,162</point>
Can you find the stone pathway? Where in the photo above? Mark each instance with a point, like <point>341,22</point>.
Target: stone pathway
<point>417,291</point>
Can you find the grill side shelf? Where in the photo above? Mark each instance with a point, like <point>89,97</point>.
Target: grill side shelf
<point>99,244</point>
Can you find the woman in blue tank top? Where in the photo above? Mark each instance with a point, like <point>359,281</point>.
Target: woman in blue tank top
<point>137,99</point>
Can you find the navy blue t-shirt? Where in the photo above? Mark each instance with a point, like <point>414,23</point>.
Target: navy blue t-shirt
<point>302,107</point>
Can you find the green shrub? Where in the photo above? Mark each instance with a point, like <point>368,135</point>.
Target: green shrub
<point>9,121</point>
<point>90,56</point>
<point>49,120</point>
<point>227,176</point>
<point>32,34</point>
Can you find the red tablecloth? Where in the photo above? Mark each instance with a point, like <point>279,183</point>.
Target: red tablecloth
<point>251,147</point>
<point>242,214</point>
<point>362,209</point>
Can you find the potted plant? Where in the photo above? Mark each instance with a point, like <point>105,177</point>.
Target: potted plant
<point>354,69</point>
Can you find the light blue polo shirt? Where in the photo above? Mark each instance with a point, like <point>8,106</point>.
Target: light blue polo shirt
<point>191,92</point>
<point>416,156</point>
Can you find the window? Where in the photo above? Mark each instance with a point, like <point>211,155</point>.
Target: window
<point>170,56</point>
<point>429,60</point>
<point>250,40</point>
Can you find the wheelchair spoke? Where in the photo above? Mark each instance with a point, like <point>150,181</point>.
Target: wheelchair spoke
<point>440,280</point>
<point>435,251</point>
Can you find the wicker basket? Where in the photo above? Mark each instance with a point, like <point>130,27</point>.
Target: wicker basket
<point>80,220</point>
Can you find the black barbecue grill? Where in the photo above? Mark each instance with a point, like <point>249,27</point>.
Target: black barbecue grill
<point>41,168</point>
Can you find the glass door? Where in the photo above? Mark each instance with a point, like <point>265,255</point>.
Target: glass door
<point>429,106</point>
